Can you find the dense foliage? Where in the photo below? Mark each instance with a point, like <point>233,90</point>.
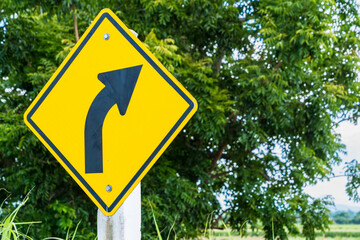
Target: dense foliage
<point>346,217</point>
<point>272,79</point>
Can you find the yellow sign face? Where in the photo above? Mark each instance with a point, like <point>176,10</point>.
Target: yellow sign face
<point>109,112</point>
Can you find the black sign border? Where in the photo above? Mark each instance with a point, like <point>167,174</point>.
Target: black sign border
<point>159,147</point>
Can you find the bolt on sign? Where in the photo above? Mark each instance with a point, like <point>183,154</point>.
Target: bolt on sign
<point>109,112</point>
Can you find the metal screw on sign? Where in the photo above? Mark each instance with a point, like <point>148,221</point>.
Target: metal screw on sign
<point>108,188</point>
<point>106,36</point>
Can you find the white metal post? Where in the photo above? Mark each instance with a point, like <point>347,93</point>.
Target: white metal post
<point>125,224</point>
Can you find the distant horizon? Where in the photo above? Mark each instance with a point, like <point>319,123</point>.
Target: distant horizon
<point>346,208</point>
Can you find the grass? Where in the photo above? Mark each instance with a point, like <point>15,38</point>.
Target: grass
<point>157,227</point>
<point>336,232</point>
<point>9,229</point>
<point>68,235</point>
<point>8,226</point>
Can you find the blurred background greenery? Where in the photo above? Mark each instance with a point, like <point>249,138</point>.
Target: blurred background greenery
<point>273,78</point>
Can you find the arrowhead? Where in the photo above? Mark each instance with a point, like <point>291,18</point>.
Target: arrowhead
<point>120,84</point>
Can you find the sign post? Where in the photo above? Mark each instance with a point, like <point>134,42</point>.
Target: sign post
<point>109,111</point>
<point>126,222</point>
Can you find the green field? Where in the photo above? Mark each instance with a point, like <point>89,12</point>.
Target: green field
<point>336,232</point>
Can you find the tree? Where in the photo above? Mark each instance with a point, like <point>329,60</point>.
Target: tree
<point>356,218</point>
<point>272,79</point>
<point>342,217</point>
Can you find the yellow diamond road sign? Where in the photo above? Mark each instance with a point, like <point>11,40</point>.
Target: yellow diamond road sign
<point>109,112</point>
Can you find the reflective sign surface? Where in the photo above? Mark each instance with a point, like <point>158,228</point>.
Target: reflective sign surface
<point>109,112</point>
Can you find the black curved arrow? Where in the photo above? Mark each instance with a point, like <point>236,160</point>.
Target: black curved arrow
<point>119,87</point>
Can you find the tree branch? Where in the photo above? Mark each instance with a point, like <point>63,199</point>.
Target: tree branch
<point>220,174</point>
<point>218,218</point>
<point>278,65</point>
<point>218,60</point>
<point>263,174</point>
<point>218,65</point>
<point>216,157</point>
<point>336,176</point>
<point>354,116</point>
<point>75,23</point>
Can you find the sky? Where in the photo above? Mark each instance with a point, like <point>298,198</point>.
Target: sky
<point>350,136</point>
